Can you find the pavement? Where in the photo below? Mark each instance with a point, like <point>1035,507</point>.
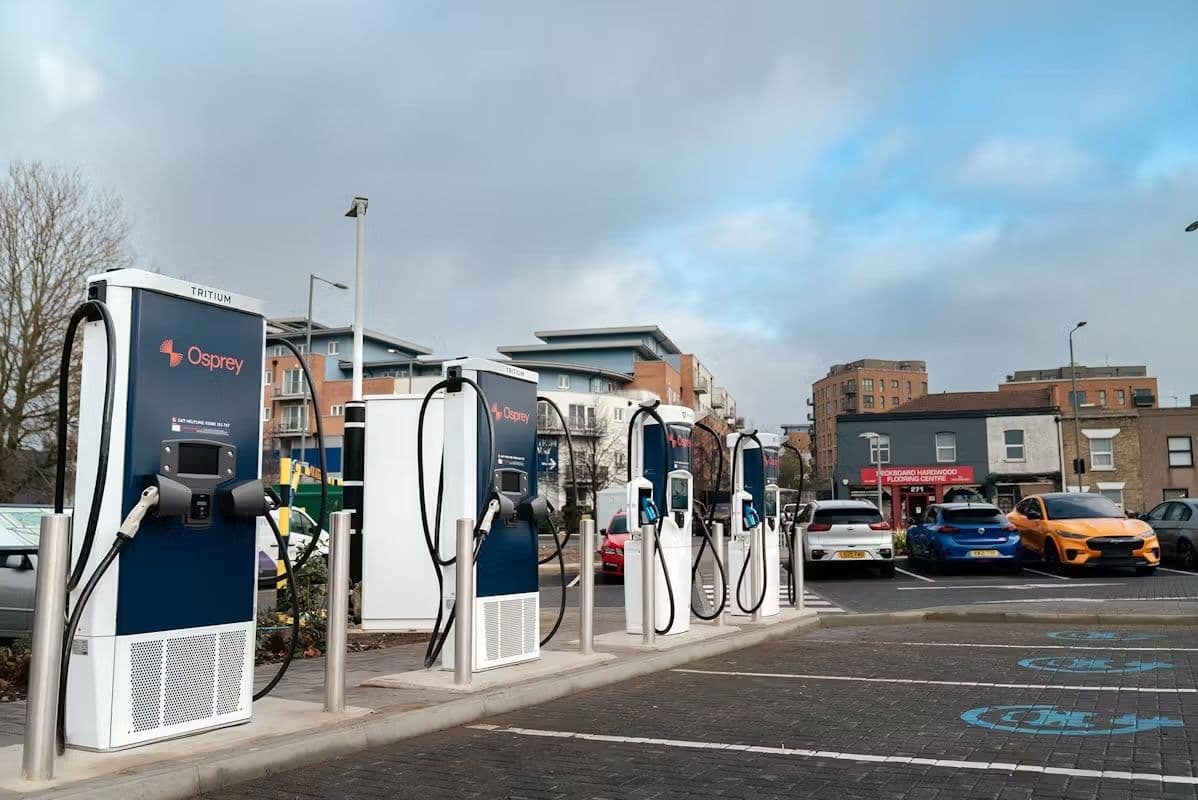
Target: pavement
<point>917,711</point>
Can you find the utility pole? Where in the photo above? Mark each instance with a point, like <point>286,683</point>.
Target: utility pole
<point>1077,422</point>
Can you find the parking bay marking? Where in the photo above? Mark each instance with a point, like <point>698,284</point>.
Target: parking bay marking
<point>1015,646</point>
<point>1179,571</point>
<point>914,575</point>
<point>1046,574</point>
<point>1011,586</point>
<point>919,681</point>
<point>833,755</point>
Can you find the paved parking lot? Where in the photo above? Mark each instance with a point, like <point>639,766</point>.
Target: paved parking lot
<point>921,711</point>
<point>857,588</point>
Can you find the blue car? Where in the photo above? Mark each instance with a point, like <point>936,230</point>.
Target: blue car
<point>965,533</point>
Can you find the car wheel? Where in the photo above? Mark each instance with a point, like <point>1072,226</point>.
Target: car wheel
<point>887,570</point>
<point>1052,559</point>
<point>1185,554</point>
<point>1145,571</point>
<point>912,557</point>
<point>1015,569</point>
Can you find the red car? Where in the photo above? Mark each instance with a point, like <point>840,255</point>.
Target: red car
<point>611,551</point>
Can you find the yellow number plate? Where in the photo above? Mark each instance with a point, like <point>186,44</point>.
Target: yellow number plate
<point>850,554</point>
<point>983,554</point>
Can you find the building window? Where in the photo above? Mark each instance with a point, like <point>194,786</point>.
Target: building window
<point>334,348</point>
<point>336,411</point>
<point>267,378</point>
<point>1176,494</point>
<point>303,348</point>
<point>852,385</point>
<point>617,413</point>
<point>869,401</point>
<point>1077,399</point>
<point>1181,451</point>
<point>828,407</point>
<point>266,413</point>
<point>1120,397</point>
<point>879,448</point>
<point>946,448</point>
<point>867,384</point>
<point>581,417</point>
<point>621,461</point>
<point>894,385</point>
<point>543,415</point>
<point>293,381</point>
<point>1102,397</point>
<point>923,387</point>
<point>563,381</point>
<point>1102,454</point>
<point>278,350</point>
<point>908,390</point>
<point>1112,492</point>
<point>894,401</point>
<point>882,401</point>
<point>295,418</point>
<point>1013,439</point>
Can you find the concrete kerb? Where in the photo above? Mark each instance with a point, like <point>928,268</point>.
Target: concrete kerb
<point>215,771</point>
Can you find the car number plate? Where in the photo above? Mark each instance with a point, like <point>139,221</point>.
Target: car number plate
<point>851,554</point>
<point>983,554</point>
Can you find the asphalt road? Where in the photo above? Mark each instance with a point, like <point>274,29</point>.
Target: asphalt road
<point>909,713</point>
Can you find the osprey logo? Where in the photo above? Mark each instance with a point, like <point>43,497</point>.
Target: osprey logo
<point>167,348</point>
<point>507,412</point>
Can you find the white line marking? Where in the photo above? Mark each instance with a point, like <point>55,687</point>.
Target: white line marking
<point>995,766</point>
<point>1179,571</point>
<point>974,684</point>
<point>914,575</point>
<point>574,582</point>
<point>1009,586</point>
<point>1047,574</point>
<point>1016,646</point>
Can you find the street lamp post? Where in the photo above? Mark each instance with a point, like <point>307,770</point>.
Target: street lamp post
<point>1077,423</point>
<point>358,212</point>
<point>875,443</point>
<point>411,364</point>
<point>312,279</point>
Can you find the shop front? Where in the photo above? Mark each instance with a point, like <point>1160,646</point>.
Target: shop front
<point>910,490</point>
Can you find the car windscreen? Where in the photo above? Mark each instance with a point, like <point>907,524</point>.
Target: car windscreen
<point>1082,506</point>
<point>974,516</point>
<point>619,524</point>
<point>848,516</point>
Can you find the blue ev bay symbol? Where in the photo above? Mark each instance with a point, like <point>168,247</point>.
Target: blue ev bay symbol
<point>1053,721</point>
<point>1100,636</point>
<point>1091,666</point>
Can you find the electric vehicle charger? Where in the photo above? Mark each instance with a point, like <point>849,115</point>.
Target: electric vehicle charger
<point>749,520</point>
<point>705,526</point>
<point>791,534</point>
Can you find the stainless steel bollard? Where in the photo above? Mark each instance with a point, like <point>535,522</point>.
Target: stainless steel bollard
<point>800,598</point>
<point>756,572</point>
<point>338,612</point>
<point>717,541</point>
<point>586,588</point>
<point>463,603</point>
<point>49,612</point>
<point>648,575</point>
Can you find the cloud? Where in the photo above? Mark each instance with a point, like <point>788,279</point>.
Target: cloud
<point>66,82</point>
<point>773,231</point>
<point>1023,166</point>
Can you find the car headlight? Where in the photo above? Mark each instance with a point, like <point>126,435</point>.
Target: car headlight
<point>1071,535</point>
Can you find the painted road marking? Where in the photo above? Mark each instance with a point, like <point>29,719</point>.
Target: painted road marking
<point>811,600</point>
<point>1011,586</point>
<point>1101,636</point>
<point>1179,571</point>
<point>1052,721</point>
<point>833,755</point>
<point>922,682</point>
<point>1018,646</point>
<point>914,575</point>
<point>1047,574</point>
<point>1090,666</point>
<point>1088,599</point>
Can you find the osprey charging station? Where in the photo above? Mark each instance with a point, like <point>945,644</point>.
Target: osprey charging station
<point>480,425</point>
<point>165,646</point>
<point>753,552</point>
<point>660,493</point>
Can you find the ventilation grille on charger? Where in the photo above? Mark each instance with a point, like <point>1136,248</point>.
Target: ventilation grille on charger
<point>186,679</point>
<point>511,627</point>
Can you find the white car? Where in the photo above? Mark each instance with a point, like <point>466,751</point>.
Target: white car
<point>843,532</point>
<point>302,528</point>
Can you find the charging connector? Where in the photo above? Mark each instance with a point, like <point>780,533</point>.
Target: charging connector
<point>147,502</point>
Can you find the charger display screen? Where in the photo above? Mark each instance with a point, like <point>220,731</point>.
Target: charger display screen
<point>679,496</point>
<point>199,459</point>
<point>509,481</point>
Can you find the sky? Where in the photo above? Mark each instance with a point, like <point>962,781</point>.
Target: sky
<point>779,185</point>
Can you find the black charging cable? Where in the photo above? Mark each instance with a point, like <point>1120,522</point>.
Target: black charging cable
<point>744,569</point>
<point>791,536</point>
<point>705,526</point>
<point>559,542</point>
<point>651,411</point>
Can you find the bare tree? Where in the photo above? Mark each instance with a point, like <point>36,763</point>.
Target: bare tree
<point>597,446</point>
<point>54,232</point>
<point>706,453</point>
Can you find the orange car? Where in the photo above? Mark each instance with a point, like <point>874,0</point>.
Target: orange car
<point>1085,530</point>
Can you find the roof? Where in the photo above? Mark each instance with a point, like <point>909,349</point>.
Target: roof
<point>286,331</point>
<point>653,330</point>
<point>1083,373</point>
<point>537,365</point>
<point>623,344</point>
<point>980,401</point>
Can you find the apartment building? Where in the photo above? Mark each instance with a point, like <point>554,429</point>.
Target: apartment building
<point>865,386</point>
<point>1114,388</point>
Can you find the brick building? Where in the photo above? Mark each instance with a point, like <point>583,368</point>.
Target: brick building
<point>866,386</point>
<point>1110,446</point>
<point>1167,438</point>
<point>1116,388</point>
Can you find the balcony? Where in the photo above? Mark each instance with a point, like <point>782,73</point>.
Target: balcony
<point>811,403</point>
<point>702,386</point>
<point>810,417</point>
<point>719,400</point>
<point>284,393</point>
<point>850,388</point>
<point>288,428</point>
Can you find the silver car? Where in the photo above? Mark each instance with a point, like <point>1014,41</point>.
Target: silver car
<point>1176,525</point>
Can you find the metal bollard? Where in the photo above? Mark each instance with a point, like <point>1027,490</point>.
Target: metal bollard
<point>463,603</point>
<point>338,612</point>
<point>648,575</point>
<point>717,541</point>
<point>756,572</point>
<point>586,588</point>
<point>49,612</point>
<point>797,542</point>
